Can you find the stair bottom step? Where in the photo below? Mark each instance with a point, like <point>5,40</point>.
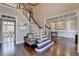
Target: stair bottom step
<point>39,47</point>
<point>44,48</point>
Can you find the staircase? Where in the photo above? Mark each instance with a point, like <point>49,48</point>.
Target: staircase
<point>42,40</point>
<point>44,45</point>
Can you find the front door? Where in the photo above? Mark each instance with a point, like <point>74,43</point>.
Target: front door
<point>8,31</point>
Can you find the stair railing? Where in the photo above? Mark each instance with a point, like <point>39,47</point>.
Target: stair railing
<point>48,32</point>
<point>31,18</point>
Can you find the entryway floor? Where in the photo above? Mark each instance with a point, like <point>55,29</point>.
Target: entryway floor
<point>63,47</point>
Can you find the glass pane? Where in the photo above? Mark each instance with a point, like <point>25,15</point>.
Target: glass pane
<point>12,23</point>
<point>9,23</point>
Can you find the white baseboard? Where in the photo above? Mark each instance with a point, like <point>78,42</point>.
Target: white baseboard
<point>19,42</point>
<point>65,37</point>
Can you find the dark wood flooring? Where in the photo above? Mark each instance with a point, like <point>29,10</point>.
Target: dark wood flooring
<point>63,47</point>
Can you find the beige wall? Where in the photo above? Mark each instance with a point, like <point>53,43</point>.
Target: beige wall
<point>46,10</point>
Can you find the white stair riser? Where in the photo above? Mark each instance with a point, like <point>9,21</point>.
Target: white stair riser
<point>43,43</point>
<point>44,48</point>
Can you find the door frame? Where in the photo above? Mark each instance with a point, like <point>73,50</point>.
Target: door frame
<point>14,28</point>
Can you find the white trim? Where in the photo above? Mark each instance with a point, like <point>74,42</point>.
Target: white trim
<point>61,14</point>
<point>8,7</point>
<point>19,42</point>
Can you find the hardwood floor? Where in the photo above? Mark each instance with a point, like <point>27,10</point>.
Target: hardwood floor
<point>63,47</point>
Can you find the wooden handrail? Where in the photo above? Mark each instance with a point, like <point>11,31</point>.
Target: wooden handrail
<point>36,23</point>
<point>26,8</point>
<point>47,27</point>
<point>31,16</point>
